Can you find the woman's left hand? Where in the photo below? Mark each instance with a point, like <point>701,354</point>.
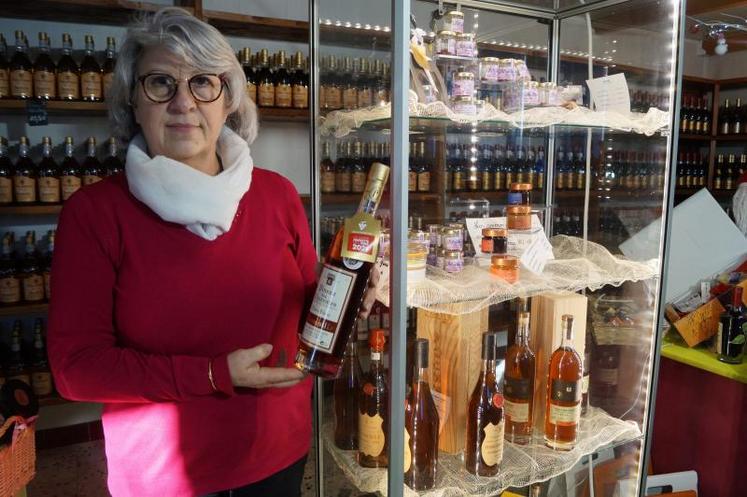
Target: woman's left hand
<point>370,296</point>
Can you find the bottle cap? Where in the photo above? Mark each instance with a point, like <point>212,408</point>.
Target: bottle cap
<point>421,353</point>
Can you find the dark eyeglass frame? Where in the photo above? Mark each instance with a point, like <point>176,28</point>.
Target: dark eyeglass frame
<point>177,82</point>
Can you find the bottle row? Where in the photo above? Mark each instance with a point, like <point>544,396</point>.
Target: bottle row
<point>641,101</point>
<point>25,275</point>
<point>692,170</point>
<point>353,83</point>
<point>47,182</point>
<point>276,81</point>
<point>27,361</point>
<point>499,409</point>
<point>727,173</point>
<point>64,79</point>
<point>695,116</point>
<point>731,120</point>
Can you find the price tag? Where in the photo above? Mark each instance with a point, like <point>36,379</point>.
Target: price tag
<point>610,93</point>
<point>475,226</point>
<point>36,112</point>
<point>536,256</point>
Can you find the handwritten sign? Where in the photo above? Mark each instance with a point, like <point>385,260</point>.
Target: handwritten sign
<point>536,256</point>
<point>36,112</point>
<point>610,93</point>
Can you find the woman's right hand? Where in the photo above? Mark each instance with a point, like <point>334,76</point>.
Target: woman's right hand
<point>243,364</point>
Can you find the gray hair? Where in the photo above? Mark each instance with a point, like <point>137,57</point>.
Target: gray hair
<point>200,45</point>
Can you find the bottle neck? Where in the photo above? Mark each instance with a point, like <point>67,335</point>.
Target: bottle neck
<point>20,46</point>
<point>23,150</point>
<point>567,337</point>
<point>112,149</point>
<point>421,375</point>
<point>488,370</point>
<point>67,47</point>
<point>44,46</point>
<point>91,151</point>
<point>69,150</point>
<point>47,150</point>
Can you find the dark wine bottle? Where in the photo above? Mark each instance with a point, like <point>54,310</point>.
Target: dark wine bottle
<point>346,390</point>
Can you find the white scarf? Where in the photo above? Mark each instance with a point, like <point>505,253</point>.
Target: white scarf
<point>181,194</point>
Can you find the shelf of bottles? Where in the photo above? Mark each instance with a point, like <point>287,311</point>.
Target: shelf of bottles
<point>26,360</point>
<point>25,274</point>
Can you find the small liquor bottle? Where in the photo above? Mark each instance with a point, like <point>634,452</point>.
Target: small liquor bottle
<point>69,171</point>
<point>485,424</point>
<point>45,81</point>
<point>110,63</point>
<point>372,440</point>
<point>730,330</point>
<point>358,169</point>
<point>24,179</point>
<point>283,82</point>
<point>49,175</point>
<point>300,80</point>
<point>92,172</point>
<point>421,425</point>
<point>350,84</point>
<point>41,376</point>
<point>518,386</point>
<point>424,170</point>
<point>365,85</point>
<point>10,284</point>
<point>265,81</point>
<point>4,71</point>
<point>90,74</point>
<point>112,164</point>
<point>332,86</point>
<point>15,367</point>
<point>343,168</point>
<point>21,70</point>
<point>563,408</point>
<point>68,73</point>
<point>47,264</point>
<point>327,171</point>
<point>342,283</point>
<point>32,281</point>
<point>245,58</point>
<point>346,390</point>
<point>6,174</point>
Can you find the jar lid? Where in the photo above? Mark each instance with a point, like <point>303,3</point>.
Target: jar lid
<point>433,226</point>
<point>466,35</point>
<point>449,231</point>
<point>491,60</point>
<point>501,261</point>
<point>463,100</point>
<point>453,254</point>
<point>455,225</point>
<point>495,232</point>
<point>446,32</point>
<point>416,250</point>
<point>521,186</point>
<point>465,75</point>
<point>521,210</point>
<point>457,13</point>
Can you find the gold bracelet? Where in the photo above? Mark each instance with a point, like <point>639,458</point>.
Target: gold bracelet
<point>210,375</point>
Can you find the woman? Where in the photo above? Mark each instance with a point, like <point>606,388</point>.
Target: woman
<point>179,288</point>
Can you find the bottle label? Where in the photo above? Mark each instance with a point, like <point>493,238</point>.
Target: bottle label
<point>566,391</point>
<point>585,384</point>
<point>518,388</point>
<point>283,96</point>
<point>21,377</point>
<point>359,181</point>
<point>21,83</point>
<point>424,181</point>
<point>458,181</point>
<point>607,376</point>
<point>49,190</point>
<point>365,98</point>
<point>488,179</point>
<point>106,82</point>
<point>360,240</point>
<point>47,285</point>
<point>41,383</point>
<point>25,188</point>
<point>333,97</point>
<point>492,445</point>
<point>412,181</point>
<point>44,84</point>
<point>498,181</point>
<point>33,288</point>
<point>90,83</point>
<point>565,416</point>
<point>90,179</point>
<point>10,290</point>
<point>67,85</point>
<point>251,91</point>
<point>350,98</point>
<point>342,181</point>
<point>408,452</point>
<point>266,95</point>
<point>517,412</point>
<point>6,190</point>
<point>328,182</point>
<point>69,185</point>
<point>330,301</point>
<point>371,437</point>
<point>4,83</point>
<point>300,97</point>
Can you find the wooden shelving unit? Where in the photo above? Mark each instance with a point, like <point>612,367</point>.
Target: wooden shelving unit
<point>731,138</point>
<point>30,210</point>
<point>23,310</point>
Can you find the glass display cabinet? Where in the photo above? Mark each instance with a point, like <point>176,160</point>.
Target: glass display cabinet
<point>513,349</point>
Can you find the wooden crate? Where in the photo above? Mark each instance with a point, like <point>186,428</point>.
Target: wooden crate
<point>545,335</point>
<point>455,361</point>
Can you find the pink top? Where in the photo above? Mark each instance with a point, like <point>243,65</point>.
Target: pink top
<point>141,305</point>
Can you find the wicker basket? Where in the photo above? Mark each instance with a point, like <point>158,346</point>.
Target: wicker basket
<point>18,460</point>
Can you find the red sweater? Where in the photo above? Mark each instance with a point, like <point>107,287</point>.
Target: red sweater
<point>141,305</point>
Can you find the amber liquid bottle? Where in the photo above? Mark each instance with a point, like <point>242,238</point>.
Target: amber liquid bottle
<point>245,58</point>
<point>283,83</point>
<point>30,273</point>
<point>110,62</point>
<point>563,408</point>
<point>421,425</point>
<point>327,171</point>
<point>518,387</point>
<point>21,71</point>
<point>6,174</point>
<point>300,80</point>
<point>4,70</point>
<point>112,164</point>
<point>49,175</point>
<point>373,444</point>
<point>346,390</point>
<point>15,367</point>
<point>342,283</point>
<point>45,80</point>
<point>41,376</point>
<point>69,172</point>
<point>92,172</point>
<point>10,284</point>
<point>265,81</point>
<point>24,179</point>
<point>483,452</point>
<point>68,73</point>
<point>90,74</point>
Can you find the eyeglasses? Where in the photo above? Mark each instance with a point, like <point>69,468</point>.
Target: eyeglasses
<point>161,88</point>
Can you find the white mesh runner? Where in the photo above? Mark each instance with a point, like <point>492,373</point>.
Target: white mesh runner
<point>521,466</point>
<point>342,123</point>
<point>578,264</point>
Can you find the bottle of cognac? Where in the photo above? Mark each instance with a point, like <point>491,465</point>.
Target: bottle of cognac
<point>45,79</point>
<point>346,389</point>
<point>485,424</point>
<point>373,412</point>
<point>563,408</point>
<point>49,175</point>
<point>518,385</point>
<point>68,72</point>
<point>24,178</point>
<point>41,376</point>
<point>342,283</point>
<point>421,425</point>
